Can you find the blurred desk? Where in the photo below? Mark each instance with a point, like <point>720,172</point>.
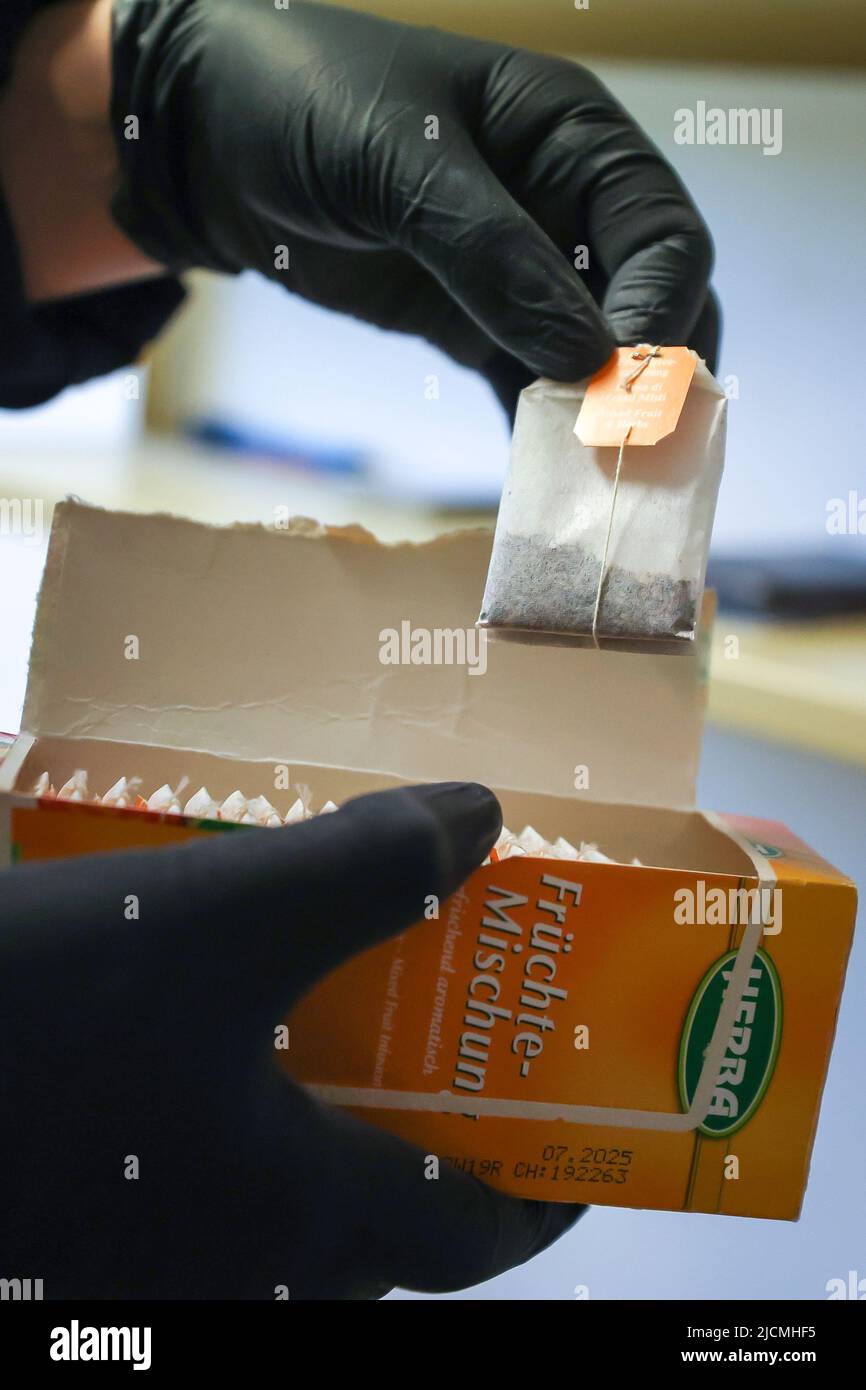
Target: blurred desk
<point>800,683</point>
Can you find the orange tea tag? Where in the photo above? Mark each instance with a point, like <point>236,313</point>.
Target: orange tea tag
<point>639,393</point>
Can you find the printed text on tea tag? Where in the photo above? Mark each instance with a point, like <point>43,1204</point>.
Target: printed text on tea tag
<point>639,393</point>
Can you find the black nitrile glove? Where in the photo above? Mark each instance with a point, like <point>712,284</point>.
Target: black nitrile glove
<point>262,132</point>
<point>154,1039</point>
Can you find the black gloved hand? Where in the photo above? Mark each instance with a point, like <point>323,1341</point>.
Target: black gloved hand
<point>154,1038</point>
<point>307,128</point>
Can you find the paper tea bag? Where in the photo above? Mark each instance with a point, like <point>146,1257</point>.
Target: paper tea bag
<point>532,843</point>
<point>505,846</point>
<point>262,812</point>
<point>583,557</point>
<point>300,809</point>
<point>591,854</point>
<point>236,808</point>
<point>201,806</point>
<point>75,789</point>
<point>564,849</point>
<point>123,793</point>
<point>167,799</point>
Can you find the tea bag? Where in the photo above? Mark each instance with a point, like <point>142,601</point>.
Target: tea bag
<point>123,793</point>
<point>505,846</point>
<point>607,546</point>
<point>262,812</point>
<point>76,788</point>
<point>300,809</point>
<point>167,799</point>
<point>201,806</point>
<point>258,810</point>
<point>591,854</point>
<point>528,844</point>
<point>532,843</point>
<point>236,808</point>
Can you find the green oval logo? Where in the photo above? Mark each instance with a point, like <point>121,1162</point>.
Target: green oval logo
<point>768,851</point>
<point>750,1057</point>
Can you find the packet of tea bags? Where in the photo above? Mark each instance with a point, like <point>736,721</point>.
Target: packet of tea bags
<point>605,543</point>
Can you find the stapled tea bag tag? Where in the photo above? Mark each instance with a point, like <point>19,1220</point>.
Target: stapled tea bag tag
<point>638,395</point>
<point>636,398</point>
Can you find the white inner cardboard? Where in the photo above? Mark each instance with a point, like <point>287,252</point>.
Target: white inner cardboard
<point>260,644</point>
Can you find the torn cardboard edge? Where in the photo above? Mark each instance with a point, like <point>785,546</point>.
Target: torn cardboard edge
<point>193,594</point>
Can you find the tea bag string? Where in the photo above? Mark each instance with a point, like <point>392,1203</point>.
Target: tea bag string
<point>643,358</point>
<point>623,443</point>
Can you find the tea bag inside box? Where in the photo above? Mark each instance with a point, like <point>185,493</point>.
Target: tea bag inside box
<point>580,559</point>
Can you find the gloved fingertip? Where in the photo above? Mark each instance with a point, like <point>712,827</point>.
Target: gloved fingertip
<point>550,324</point>
<point>703,336</point>
<point>529,1227</point>
<point>706,334</point>
<point>630,328</point>
<point>582,356</point>
<point>554,1221</point>
<point>470,818</point>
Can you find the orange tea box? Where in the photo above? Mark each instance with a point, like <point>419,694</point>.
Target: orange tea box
<point>648,1026</point>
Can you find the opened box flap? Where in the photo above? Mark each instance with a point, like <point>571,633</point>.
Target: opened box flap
<point>326,646</point>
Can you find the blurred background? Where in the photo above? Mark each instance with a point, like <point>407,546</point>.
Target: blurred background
<point>254,401</point>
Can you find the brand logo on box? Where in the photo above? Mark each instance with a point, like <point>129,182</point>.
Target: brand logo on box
<point>750,1056</point>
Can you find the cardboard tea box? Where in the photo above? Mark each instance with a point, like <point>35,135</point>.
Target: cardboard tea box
<point>650,1034</point>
